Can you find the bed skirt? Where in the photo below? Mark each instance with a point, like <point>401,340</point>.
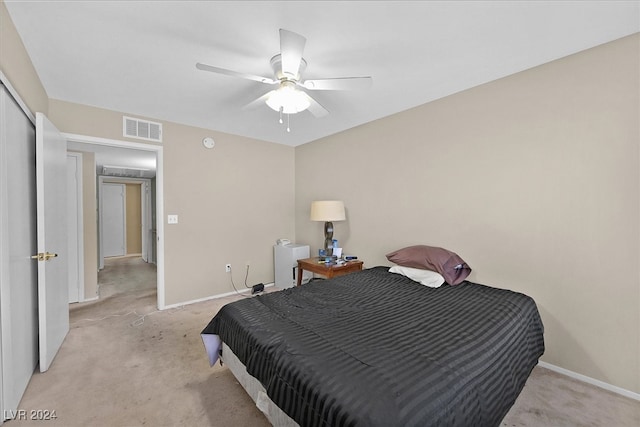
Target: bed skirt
<point>254,389</point>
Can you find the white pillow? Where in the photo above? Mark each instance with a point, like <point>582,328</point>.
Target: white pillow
<point>428,278</point>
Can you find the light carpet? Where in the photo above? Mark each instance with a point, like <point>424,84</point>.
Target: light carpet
<point>126,364</point>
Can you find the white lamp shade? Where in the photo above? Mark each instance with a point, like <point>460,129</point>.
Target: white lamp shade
<point>327,210</point>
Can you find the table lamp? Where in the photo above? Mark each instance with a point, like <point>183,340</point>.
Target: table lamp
<point>327,211</point>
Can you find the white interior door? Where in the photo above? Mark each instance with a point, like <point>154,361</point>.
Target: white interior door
<point>145,204</point>
<point>18,272</point>
<point>53,288</point>
<point>113,219</point>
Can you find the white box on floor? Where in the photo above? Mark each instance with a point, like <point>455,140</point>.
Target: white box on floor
<point>286,264</point>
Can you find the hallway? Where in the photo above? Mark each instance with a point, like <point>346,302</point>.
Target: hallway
<point>126,274</point>
<point>124,363</point>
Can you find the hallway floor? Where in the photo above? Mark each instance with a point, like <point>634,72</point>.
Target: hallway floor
<point>125,274</point>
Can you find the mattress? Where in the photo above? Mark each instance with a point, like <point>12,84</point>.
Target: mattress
<point>374,348</point>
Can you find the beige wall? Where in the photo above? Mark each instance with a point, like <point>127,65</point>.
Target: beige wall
<point>233,201</point>
<point>134,219</point>
<point>533,179</point>
<point>16,65</point>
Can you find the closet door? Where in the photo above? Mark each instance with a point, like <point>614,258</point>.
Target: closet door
<point>18,272</point>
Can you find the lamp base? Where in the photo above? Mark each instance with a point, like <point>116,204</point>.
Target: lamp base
<point>328,238</point>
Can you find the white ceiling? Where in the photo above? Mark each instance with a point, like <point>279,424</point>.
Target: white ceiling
<point>139,57</point>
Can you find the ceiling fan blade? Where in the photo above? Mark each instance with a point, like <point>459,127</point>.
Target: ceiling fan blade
<point>291,48</point>
<point>224,71</point>
<point>344,83</point>
<point>258,102</point>
<point>315,108</point>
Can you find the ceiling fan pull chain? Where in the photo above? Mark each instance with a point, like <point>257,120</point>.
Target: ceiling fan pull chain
<point>288,120</point>
<point>281,109</point>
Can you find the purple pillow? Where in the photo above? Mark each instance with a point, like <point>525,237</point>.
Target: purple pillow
<point>450,265</point>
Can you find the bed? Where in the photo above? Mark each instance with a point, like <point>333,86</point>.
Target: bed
<point>375,348</point>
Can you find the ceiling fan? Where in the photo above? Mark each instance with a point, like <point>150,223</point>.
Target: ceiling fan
<point>288,67</point>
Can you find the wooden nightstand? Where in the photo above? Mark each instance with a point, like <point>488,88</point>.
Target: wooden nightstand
<point>327,270</point>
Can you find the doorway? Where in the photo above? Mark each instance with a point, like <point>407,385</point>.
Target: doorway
<point>126,216</point>
<point>127,260</point>
<point>113,214</point>
<point>153,189</point>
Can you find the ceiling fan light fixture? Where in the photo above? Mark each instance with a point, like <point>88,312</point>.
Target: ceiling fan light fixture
<point>288,99</point>
<point>288,67</point>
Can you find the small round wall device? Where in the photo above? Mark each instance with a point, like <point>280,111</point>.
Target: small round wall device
<point>208,142</point>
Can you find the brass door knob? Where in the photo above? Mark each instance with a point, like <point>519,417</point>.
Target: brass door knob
<point>46,256</point>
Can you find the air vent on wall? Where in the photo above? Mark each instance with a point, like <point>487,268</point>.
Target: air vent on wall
<point>141,129</point>
<point>128,172</point>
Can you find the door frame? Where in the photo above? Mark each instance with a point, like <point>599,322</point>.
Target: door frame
<point>159,197</point>
<point>79,224</point>
<point>101,232</point>
<point>145,205</point>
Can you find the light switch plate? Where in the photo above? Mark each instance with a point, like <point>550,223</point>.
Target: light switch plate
<point>172,219</point>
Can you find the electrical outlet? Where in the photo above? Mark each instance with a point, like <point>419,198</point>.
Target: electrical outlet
<point>227,268</point>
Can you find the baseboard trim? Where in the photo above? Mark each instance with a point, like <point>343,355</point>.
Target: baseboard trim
<point>609,387</point>
<point>228,294</point>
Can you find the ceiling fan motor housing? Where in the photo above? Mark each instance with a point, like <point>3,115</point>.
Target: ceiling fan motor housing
<point>276,65</point>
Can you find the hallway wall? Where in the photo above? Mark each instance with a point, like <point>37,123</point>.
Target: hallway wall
<point>133,218</point>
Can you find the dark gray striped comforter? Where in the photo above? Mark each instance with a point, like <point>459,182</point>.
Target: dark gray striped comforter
<point>377,349</point>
